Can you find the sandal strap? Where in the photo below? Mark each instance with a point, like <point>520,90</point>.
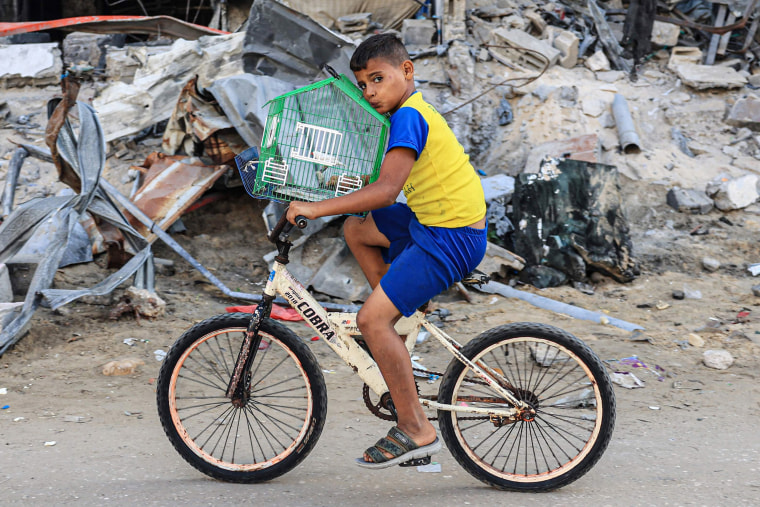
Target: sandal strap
<point>391,447</point>
<point>402,438</point>
<point>376,455</point>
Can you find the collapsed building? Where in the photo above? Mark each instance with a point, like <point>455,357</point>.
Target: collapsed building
<point>200,75</point>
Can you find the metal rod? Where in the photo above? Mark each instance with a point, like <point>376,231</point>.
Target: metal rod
<point>11,179</point>
<point>629,139</point>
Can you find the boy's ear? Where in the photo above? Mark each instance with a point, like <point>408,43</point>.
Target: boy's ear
<point>408,67</point>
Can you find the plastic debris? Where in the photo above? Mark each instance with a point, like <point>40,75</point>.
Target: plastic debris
<point>434,467</point>
<point>51,443</point>
<point>159,354</point>
<point>626,379</point>
<point>3,390</point>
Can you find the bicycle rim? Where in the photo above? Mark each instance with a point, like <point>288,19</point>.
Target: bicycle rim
<point>263,432</point>
<point>569,413</point>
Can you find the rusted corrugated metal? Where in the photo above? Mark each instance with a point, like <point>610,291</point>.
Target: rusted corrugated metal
<point>151,25</point>
<point>172,184</point>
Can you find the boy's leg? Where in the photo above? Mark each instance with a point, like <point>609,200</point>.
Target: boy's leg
<point>365,241</point>
<point>375,320</point>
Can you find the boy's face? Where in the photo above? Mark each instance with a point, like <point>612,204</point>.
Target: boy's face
<point>384,85</point>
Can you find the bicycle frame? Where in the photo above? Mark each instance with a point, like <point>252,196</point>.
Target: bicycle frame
<point>338,330</point>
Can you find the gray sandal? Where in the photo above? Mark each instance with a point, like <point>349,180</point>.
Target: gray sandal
<point>400,446</point>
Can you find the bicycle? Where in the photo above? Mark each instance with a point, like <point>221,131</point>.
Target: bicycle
<point>523,406</point>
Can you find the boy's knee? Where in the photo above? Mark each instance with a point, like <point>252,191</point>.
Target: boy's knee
<point>350,226</point>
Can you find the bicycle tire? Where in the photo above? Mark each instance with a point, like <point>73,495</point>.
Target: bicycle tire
<point>561,377</point>
<point>277,427</point>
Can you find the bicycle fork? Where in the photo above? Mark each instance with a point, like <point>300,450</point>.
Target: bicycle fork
<point>238,387</point>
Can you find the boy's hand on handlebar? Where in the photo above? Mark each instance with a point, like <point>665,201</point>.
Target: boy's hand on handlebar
<point>306,209</point>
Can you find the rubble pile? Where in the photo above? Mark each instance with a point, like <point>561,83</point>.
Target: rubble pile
<point>544,95</point>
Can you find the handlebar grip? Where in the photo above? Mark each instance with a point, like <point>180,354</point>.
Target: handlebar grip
<point>301,221</point>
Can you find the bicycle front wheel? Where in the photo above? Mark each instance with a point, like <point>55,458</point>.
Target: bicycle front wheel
<point>560,378</point>
<point>276,427</point>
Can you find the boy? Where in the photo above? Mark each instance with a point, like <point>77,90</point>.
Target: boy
<point>431,242</point>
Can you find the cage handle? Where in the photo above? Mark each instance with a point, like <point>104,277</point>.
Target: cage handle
<point>330,70</point>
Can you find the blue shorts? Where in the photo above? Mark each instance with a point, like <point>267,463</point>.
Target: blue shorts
<point>424,261</point>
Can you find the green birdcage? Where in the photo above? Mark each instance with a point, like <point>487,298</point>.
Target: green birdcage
<point>320,141</point>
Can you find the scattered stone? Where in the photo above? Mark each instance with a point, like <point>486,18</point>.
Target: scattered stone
<point>678,294</point>
<point>567,42</point>
<point>756,290</point>
<point>610,76</point>
<point>695,340</point>
<point>689,200</point>
<point>719,359</point>
<point>352,23</point>
<point>122,367</point>
<point>593,106</point>
<point>598,62</point>
<point>141,303</point>
<point>745,112</point>
<point>665,34</point>
<point>710,264</point>
<point>733,193</point>
<point>703,77</point>
<point>683,54</point>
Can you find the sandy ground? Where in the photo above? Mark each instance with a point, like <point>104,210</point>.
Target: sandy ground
<point>70,434</point>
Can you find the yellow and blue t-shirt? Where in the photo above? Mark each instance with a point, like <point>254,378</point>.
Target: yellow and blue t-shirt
<point>443,189</point>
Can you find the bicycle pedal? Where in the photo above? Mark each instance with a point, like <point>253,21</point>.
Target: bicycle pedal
<point>416,462</point>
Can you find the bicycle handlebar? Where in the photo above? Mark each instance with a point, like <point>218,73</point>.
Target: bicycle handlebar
<point>283,226</point>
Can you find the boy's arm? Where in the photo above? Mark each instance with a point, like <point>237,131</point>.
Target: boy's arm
<point>394,171</point>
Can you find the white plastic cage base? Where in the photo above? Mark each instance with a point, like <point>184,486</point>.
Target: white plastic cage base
<point>317,144</point>
<point>347,184</point>
<point>275,172</point>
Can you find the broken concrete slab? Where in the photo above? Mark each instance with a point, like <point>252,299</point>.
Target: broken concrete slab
<point>128,108</point>
<point>523,59</point>
<point>745,112</point>
<point>585,148</point>
<point>733,193</point>
<point>499,186</point>
<point>30,64</point>
<point>418,33</point>
<point>122,63</point>
<point>688,200</point>
<point>704,77</point>
<point>354,23</point>
<point>89,49</point>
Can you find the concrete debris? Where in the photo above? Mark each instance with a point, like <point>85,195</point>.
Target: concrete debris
<point>684,55</point>
<point>733,193</point>
<point>718,359</point>
<point>598,62</point>
<point>126,109</point>
<point>418,33</point>
<point>689,200</point>
<point>540,55</point>
<point>30,64</point>
<point>745,112</point>
<point>704,77</point>
<point>665,34</point>
<point>352,23</point>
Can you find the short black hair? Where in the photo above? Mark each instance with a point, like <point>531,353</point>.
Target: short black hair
<point>384,45</point>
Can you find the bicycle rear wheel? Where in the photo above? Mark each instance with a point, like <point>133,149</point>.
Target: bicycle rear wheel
<point>275,429</point>
<point>560,377</point>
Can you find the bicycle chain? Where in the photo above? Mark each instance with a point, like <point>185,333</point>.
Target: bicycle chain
<point>375,408</point>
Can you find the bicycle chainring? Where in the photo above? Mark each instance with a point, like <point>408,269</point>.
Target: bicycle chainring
<point>377,409</point>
